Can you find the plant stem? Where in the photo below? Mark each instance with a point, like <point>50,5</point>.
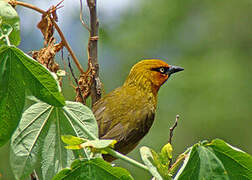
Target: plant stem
<point>178,162</point>
<point>125,158</point>
<point>92,51</point>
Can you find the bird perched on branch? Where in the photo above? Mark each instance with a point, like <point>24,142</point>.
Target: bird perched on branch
<point>127,113</point>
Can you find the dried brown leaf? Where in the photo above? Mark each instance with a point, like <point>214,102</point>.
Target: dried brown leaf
<point>46,55</point>
<point>84,84</point>
<point>46,27</point>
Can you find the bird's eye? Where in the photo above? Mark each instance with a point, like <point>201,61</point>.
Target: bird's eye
<point>162,70</point>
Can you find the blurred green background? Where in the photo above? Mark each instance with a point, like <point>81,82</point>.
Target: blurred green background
<point>211,39</point>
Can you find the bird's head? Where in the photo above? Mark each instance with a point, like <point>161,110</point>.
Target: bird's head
<point>150,73</point>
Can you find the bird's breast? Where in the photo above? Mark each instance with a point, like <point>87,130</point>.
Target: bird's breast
<point>126,115</point>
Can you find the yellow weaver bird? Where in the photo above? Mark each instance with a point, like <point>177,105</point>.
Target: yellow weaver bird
<point>127,113</point>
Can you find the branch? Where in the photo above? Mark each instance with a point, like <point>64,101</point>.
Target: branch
<point>171,135</point>
<point>92,51</point>
<point>30,6</point>
<point>81,18</point>
<point>75,79</point>
<point>172,129</point>
<point>63,39</point>
<point>65,43</point>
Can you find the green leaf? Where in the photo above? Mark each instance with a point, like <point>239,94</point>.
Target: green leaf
<point>12,95</point>
<point>95,145</point>
<point>35,77</point>
<point>203,164</point>
<point>19,72</point>
<point>93,169</point>
<point>9,24</point>
<point>73,147</point>
<point>37,139</point>
<point>39,80</point>
<point>237,163</point>
<point>147,158</point>
<point>84,119</point>
<point>99,144</point>
<point>72,140</point>
<point>166,153</point>
<point>216,160</point>
<point>158,163</point>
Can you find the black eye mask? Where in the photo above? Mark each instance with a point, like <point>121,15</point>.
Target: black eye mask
<point>162,70</point>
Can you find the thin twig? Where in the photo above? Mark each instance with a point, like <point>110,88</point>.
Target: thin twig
<point>64,41</point>
<point>92,51</point>
<point>172,129</point>
<point>171,135</point>
<point>65,67</point>
<point>62,58</point>
<point>75,79</point>
<point>59,3</point>
<point>54,9</point>
<point>30,6</point>
<point>81,17</point>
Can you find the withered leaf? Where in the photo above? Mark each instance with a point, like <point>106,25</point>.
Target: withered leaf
<point>46,27</point>
<point>46,55</point>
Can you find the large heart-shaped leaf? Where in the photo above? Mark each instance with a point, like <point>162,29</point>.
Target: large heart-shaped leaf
<point>12,95</point>
<point>238,164</point>
<point>19,72</point>
<point>216,160</point>
<point>38,136</point>
<point>93,169</point>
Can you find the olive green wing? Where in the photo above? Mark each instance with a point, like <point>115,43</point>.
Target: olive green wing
<point>123,115</point>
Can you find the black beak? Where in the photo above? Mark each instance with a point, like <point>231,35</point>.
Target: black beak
<point>174,69</point>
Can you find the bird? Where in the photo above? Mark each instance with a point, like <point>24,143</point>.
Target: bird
<point>127,113</point>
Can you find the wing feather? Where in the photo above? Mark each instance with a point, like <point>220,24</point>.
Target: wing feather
<point>124,116</point>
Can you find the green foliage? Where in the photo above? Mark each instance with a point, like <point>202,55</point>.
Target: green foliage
<point>72,140</point>
<point>37,138</point>
<point>237,163</point>
<point>159,163</point>
<point>19,72</point>
<point>9,25</point>
<point>203,163</point>
<point>81,143</point>
<point>99,144</point>
<point>216,160</point>
<point>12,95</point>
<point>147,157</point>
<point>166,152</point>
<point>93,169</point>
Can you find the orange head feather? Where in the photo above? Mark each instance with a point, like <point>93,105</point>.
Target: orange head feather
<point>150,74</point>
